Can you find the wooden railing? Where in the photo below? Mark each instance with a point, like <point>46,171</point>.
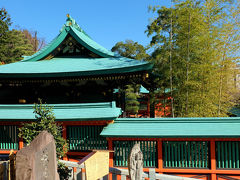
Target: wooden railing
<point>78,173</point>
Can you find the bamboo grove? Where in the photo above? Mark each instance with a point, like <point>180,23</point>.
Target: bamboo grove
<point>195,52</point>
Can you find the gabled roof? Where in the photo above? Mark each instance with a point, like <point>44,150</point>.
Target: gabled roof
<point>72,28</point>
<point>47,63</point>
<point>63,112</point>
<point>173,127</point>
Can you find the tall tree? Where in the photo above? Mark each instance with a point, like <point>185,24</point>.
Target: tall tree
<point>133,50</point>
<point>5,22</point>
<point>36,42</point>
<point>16,45</point>
<point>201,52</point>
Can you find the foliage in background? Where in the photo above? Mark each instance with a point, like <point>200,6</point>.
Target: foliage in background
<point>5,22</point>
<point>63,171</point>
<point>36,42</point>
<point>131,103</point>
<point>15,46</point>
<point>16,43</point>
<point>45,120</point>
<point>195,45</point>
<point>133,50</point>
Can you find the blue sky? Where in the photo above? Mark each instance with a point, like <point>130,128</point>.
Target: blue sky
<point>106,21</point>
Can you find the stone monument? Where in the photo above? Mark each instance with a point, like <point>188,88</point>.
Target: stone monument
<point>135,163</point>
<point>38,160</point>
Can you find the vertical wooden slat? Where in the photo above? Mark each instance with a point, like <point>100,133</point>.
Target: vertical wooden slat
<point>230,154</point>
<point>233,154</point>
<point>9,137</point>
<point>69,130</point>
<point>237,154</point>
<point>148,154</point>
<point>182,155</point>
<point>192,155</point>
<point>179,154</point>
<point>116,153</point>
<point>122,154</point>
<point>226,154</point>
<point>203,154</point>
<point>176,153</point>
<point>72,138</point>
<point>94,137</point>
<point>13,137</point>
<point>17,138</point>
<point>199,154</point>
<point>78,138</point>
<point>185,157</point>
<point>5,139</point>
<point>89,138</point>
<point>189,154</point>
<point>222,155</point>
<point>119,153</point>
<point>169,154</point>
<point>151,154</point>
<point>85,138</point>
<point>196,153</point>
<point>127,153</point>
<point>1,137</point>
<point>75,138</point>
<point>172,154</point>
<point>144,156</point>
<point>153,147</point>
<point>206,153</point>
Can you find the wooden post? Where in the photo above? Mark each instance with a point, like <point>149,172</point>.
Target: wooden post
<point>213,159</point>
<point>20,143</point>
<point>160,155</point>
<point>64,135</point>
<point>110,147</point>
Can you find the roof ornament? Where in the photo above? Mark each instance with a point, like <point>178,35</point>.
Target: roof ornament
<point>72,22</point>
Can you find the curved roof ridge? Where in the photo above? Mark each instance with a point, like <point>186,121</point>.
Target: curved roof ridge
<point>47,49</point>
<point>91,44</point>
<point>72,28</point>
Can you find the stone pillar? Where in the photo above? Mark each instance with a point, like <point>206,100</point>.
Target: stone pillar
<point>38,160</point>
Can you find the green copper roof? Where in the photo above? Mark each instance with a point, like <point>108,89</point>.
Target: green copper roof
<point>173,127</point>
<point>46,64</point>
<point>63,112</point>
<point>75,31</point>
<point>59,67</point>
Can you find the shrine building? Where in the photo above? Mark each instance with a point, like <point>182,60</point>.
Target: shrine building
<point>77,77</point>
